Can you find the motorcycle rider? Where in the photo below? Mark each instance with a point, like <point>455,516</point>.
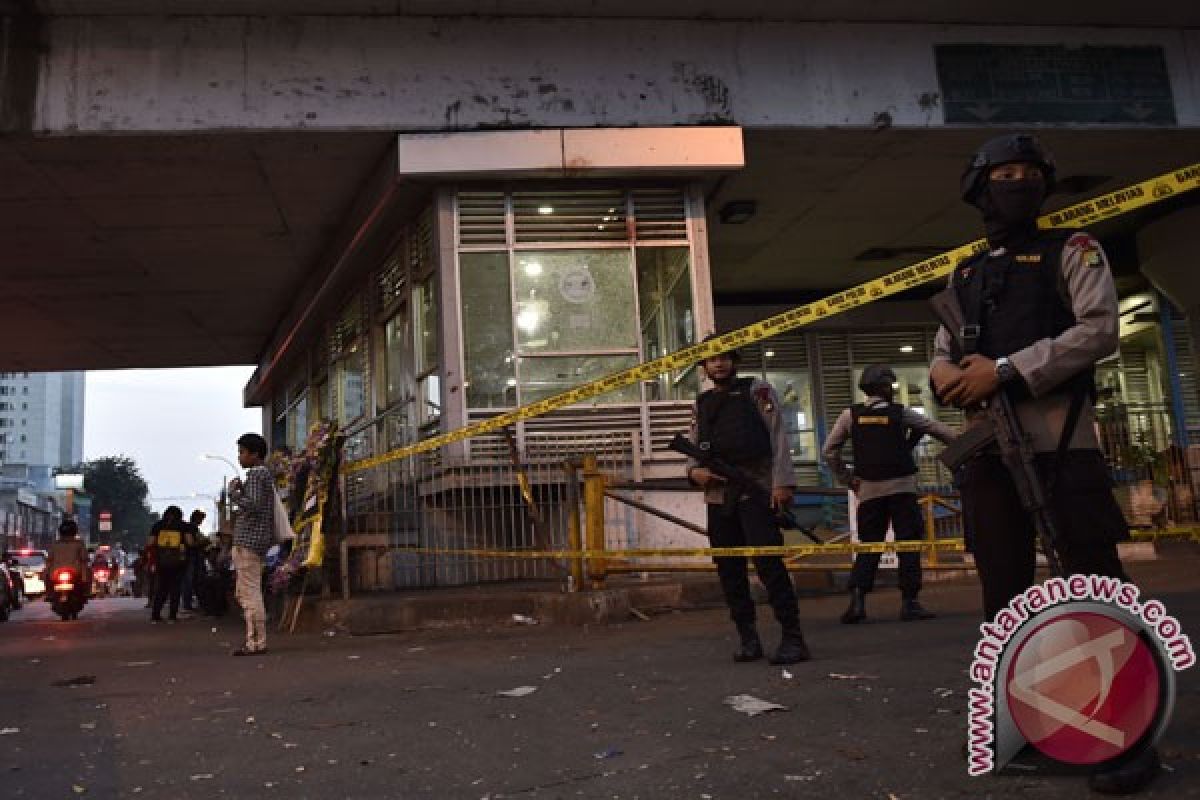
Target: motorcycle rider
<point>68,552</point>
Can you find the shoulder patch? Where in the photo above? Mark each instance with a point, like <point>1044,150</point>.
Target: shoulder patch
<point>1089,249</point>
<point>763,395</point>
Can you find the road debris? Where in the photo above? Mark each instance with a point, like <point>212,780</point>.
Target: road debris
<point>81,680</point>
<point>752,706</point>
<point>520,691</point>
<point>842,676</point>
<point>202,776</point>
<point>608,752</point>
<point>521,619</point>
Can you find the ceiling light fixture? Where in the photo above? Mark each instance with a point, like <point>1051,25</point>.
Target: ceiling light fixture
<point>545,209</point>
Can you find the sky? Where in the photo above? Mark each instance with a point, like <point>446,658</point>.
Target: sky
<point>165,419</point>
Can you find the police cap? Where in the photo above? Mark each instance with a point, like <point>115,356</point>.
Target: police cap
<point>733,354</point>
<point>876,375</point>
<point>1007,149</point>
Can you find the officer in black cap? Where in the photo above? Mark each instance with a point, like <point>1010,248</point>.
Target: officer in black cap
<point>739,421</point>
<point>1042,308</point>
<point>884,480</point>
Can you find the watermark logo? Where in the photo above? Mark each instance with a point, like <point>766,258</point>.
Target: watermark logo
<point>1077,667</point>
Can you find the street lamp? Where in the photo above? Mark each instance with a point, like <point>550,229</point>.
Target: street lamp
<point>224,485</point>
<point>211,457</point>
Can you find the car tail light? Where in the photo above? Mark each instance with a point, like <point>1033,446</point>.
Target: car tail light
<point>102,575</point>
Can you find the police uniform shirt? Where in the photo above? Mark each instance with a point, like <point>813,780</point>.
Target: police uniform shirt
<point>1046,364</point>
<point>781,473</point>
<point>842,431</point>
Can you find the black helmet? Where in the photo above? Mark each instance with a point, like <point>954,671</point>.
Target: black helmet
<point>1004,150</point>
<point>733,354</point>
<point>68,527</point>
<point>876,375</point>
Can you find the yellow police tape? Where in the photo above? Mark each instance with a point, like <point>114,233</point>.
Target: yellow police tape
<point>948,544</point>
<point>1104,207</point>
<point>952,545</point>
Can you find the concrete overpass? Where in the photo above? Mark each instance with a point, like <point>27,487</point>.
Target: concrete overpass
<point>178,176</point>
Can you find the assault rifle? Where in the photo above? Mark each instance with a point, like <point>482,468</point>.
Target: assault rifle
<point>737,483</point>
<point>1003,429</point>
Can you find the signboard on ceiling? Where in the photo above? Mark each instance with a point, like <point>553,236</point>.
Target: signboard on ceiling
<point>985,84</point>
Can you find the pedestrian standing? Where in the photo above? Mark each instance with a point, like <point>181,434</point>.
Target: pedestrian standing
<point>194,562</point>
<point>253,535</point>
<point>738,421</point>
<point>168,556</point>
<point>1041,309</point>
<point>884,481</point>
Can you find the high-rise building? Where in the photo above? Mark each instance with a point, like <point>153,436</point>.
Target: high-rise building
<point>41,418</point>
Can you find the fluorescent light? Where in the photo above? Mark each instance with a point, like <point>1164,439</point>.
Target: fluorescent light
<point>769,354</point>
<point>528,319</point>
<point>545,209</point>
<point>906,348</point>
<point>511,382</point>
<point>533,268</point>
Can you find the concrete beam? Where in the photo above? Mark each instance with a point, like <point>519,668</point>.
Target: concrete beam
<point>170,74</point>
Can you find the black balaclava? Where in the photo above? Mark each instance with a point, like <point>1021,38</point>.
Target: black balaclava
<point>1010,210</point>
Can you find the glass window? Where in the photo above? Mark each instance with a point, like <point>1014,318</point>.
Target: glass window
<point>666,310</point>
<point>796,407</point>
<point>574,300</point>
<point>429,389</point>
<point>395,351</point>
<point>546,376</point>
<point>487,330</point>
<point>352,376</point>
<point>425,325</point>
<point>298,423</point>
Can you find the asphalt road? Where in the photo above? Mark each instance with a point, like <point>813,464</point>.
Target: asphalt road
<point>632,710</point>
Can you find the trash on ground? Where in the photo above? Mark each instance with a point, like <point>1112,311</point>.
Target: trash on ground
<point>752,706</point>
<point>521,619</point>
<point>640,615</point>
<point>608,752</point>
<point>843,676</point>
<point>81,680</point>
<point>202,776</point>
<point>787,676</point>
<point>520,691</point>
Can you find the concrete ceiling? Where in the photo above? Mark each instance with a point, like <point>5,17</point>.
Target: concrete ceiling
<point>826,196</point>
<point>189,250</point>
<point>1152,13</point>
<point>169,251</point>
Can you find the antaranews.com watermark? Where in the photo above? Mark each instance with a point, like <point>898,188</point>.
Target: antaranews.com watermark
<point>1076,666</point>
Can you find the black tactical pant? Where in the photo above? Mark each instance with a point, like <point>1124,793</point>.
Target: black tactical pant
<point>1002,535</point>
<point>168,587</point>
<point>752,524</point>
<point>873,517</point>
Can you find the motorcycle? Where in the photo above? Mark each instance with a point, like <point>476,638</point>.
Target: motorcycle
<point>101,582</point>
<point>67,598</point>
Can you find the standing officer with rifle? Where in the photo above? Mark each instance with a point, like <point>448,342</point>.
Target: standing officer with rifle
<point>884,481</point>
<point>737,422</point>
<point>1023,325</point>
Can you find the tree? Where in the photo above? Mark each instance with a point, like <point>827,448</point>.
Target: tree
<point>116,485</point>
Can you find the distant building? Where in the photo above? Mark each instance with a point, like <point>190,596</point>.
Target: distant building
<point>41,418</point>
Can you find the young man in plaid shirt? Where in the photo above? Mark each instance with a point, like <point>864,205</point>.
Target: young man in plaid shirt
<point>253,534</point>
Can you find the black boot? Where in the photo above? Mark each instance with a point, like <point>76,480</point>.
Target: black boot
<point>792,649</point>
<point>750,648</point>
<point>857,610</point>
<point>1129,777</point>
<point>911,609</point>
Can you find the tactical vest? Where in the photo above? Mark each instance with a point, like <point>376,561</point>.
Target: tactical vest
<point>882,450</point>
<point>1016,299</point>
<point>731,425</point>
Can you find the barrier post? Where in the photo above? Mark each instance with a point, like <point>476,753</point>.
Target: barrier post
<point>928,502</point>
<point>574,527</point>
<point>593,505</point>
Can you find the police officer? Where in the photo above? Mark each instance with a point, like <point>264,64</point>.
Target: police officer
<point>1046,310</point>
<point>739,421</point>
<point>884,480</point>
